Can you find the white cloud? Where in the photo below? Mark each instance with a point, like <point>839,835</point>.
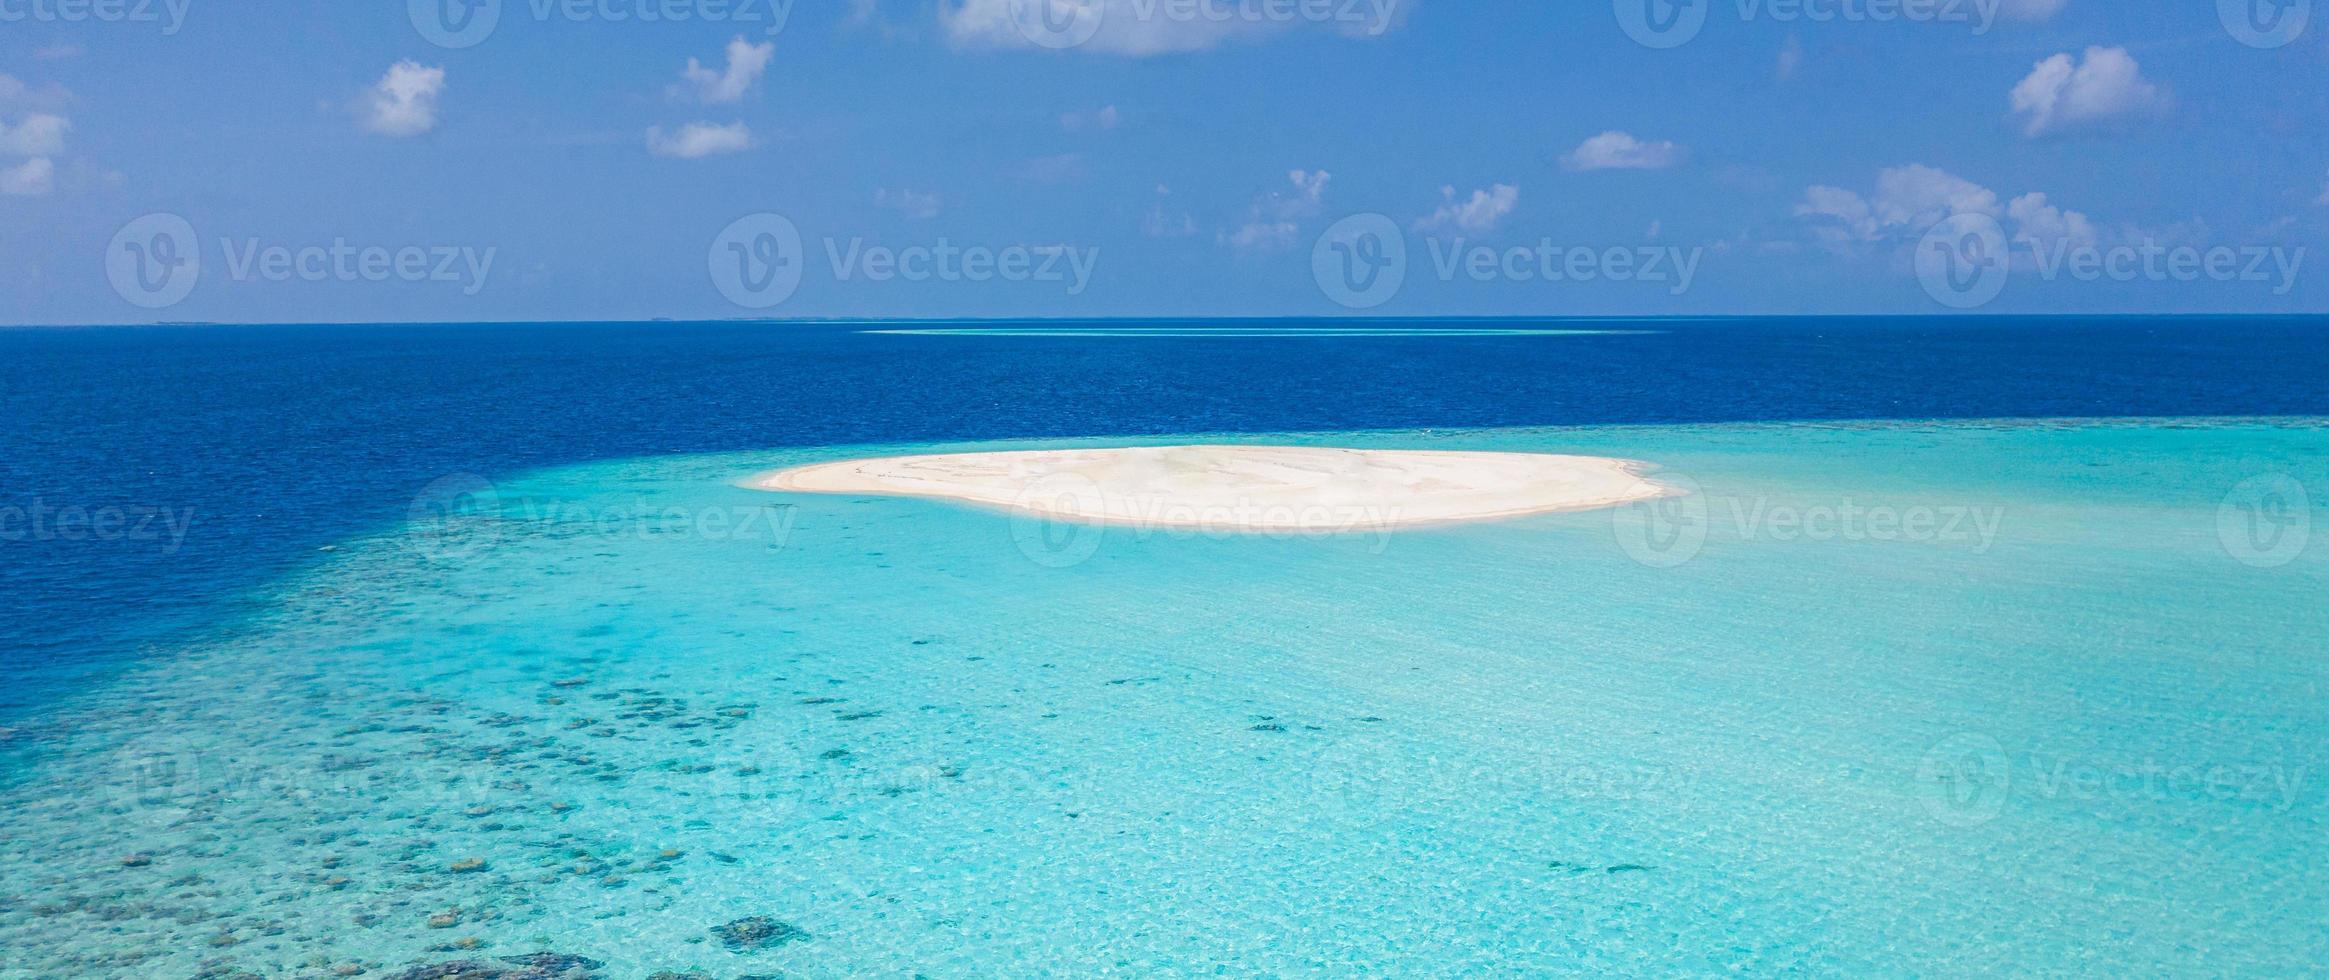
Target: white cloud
<point>697,140</point>
<point>1160,222</point>
<point>39,135</point>
<point>1105,117</point>
<point>1616,150</point>
<point>909,203</point>
<point>404,103</point>
<point>2034,218</point>
<point>15,94</point>
<point>1476,215</point>
<point>2032,10</point>
<point>746,63</point>
<point>32,178</point>
<point>1910,200</point>
<point>1147,28</point>
<point>2062,92</point>
<point>1275,219</point>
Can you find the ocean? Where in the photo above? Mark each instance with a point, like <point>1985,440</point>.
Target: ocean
<point>1978,646</point>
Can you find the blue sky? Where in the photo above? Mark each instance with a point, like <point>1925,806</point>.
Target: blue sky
<point>1190,164</point>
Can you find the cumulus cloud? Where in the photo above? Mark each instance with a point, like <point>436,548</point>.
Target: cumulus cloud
<point>2063,92</point>
<point>697,140</point>
<point>37,135</point>
<point>404,103</point>
<point>746,63</point>
<point>1275,220</point>
<point>33,138</point>
<point>1910,200</point>
<point>14,94</point>
<point>1616,150</point>
<point>31,178</point>
<point>1476,215</point>
<point>912,204</point>
<point>1907,199</point>
<point>1147,28</point>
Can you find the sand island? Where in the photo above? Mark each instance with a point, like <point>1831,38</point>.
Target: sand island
<point>1244,488</point>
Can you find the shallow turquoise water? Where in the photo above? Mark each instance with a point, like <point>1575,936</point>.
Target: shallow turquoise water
<point>1886,699</point>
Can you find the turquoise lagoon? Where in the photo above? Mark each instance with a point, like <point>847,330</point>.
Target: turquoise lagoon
<point>1885,699</point>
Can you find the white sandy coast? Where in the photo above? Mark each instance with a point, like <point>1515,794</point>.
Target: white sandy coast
<point>1244,488</point>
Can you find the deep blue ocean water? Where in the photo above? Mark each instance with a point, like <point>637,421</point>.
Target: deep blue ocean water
<point>266,443</point>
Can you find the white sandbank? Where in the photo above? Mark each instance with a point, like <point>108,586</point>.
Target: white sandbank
<point>1244,488</point>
